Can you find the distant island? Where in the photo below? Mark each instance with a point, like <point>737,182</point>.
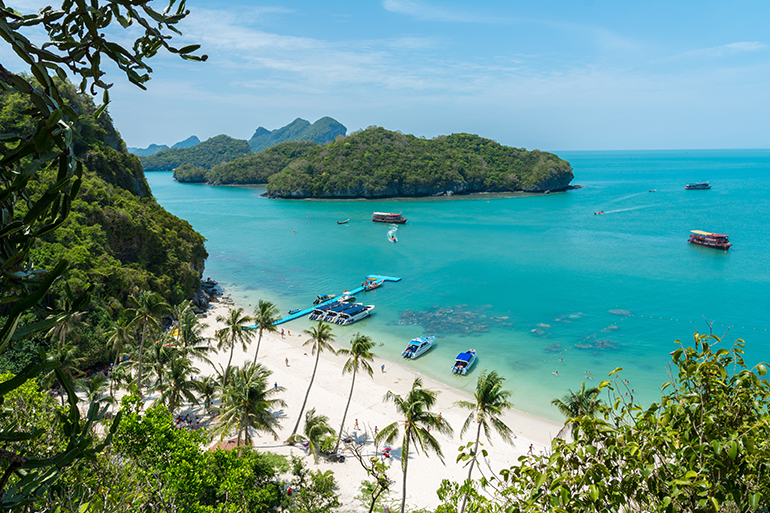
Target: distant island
<point>379,163</point>
<point>223,148</point>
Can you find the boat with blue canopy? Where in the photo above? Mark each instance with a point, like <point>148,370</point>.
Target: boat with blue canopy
<point>464,362</point>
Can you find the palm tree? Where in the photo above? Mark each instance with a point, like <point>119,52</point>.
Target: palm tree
<point>66,325</point>
<point>94,389</point>
<point>118,336</point>
<point>316,428</point>
<point>189,333</point>
<point>320,338</point>
<point>247,402</point>
<point>578,404</point>
<point>360,355</point>
<point>232,334</point>
<point>417,423</point>
<point>160,356</point>
<point>207,388</point>
<point>265,315</point>
<point>491,401</point>
<point>180,385</point>
<point>67,361</point>
<point>149,306</point>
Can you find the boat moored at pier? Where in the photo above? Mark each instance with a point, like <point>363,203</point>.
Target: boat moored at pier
<point>322,298</point>
<point>355,314</point>
<point>417,346</point>
<point>464,361</point>
<point>709,240</point>
<point>388,217</point>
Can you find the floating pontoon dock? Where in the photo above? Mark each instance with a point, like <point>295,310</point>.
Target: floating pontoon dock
<point>371,278</point>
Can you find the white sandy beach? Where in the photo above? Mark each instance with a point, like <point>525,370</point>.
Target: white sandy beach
<point>330,393</point>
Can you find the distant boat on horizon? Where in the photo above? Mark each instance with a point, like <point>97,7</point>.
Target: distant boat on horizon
<point>697,186</point>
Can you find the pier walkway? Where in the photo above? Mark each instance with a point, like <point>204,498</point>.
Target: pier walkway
<point>372,277</point>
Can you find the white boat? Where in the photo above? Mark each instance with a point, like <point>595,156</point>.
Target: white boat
<point>417,346</point>
<point>354,314</point>
<point>464,361</point>
<point>321,310</point>
<point>332,313</point>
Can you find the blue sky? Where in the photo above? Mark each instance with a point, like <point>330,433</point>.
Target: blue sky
<point>553,75</point>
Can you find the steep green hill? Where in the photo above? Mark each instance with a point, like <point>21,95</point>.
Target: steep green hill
<point>207,154</point>
<point>380,163</point>
<point>116,237</point>
<point>321,132</point>
<point>255,168</point>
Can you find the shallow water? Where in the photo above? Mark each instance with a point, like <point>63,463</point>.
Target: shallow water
<point>536,284</point>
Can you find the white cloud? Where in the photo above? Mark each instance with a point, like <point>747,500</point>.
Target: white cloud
<point>728,49</point>
<point>424,11</point>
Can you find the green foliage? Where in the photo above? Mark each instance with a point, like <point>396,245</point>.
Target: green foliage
<point>312,491</point>
<point>207,154</point>
<point>45,133</point>
<point>259,167</point>
<point>190,173</point>
<point>377,163</point>
<point>704,447</point>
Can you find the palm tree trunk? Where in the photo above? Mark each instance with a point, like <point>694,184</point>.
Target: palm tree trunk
<point>112,381</point>
<point>405,464</point>
<point>344,415</point>
<point>304,403</point>
<point>473,461</point>
<point>257,351</point>
<point>141,351</point>
<point>227,369</point>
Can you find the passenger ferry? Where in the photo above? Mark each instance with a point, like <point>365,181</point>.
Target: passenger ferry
<point>697,186</point>
<point>417,346</point>
<point>332,313</point>
<point>464,361</point>
<point>353,314</point>
<point>710,240</point>
<point>388,217</point>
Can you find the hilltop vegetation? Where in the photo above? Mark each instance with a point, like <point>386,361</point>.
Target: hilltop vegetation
<point>155,148</point>
<point>380,163</point>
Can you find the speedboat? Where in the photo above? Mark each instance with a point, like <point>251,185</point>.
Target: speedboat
<point>320,310</point>
<point>464,361</point>
<point>599,212</point>
<point>292,312</point>
<point>358,312</point>
<point>343,222</point>
<point>322,298</point>
<point>417,346</point>
<point>332,313</point>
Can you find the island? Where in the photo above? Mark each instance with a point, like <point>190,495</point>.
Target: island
<point>380,163</point>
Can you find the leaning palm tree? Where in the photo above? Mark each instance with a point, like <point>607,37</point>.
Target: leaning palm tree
<point>118,337</point>
<point>265,315</point>
<point>491,401</point>
<point>320,338</point>
<point>247,402</point>
<point>149,307</point>
<point>180,385</point>
<point>360,354</point>
<point>188,333</point>
<point>578,404</point>
<point>233,333</point>
<point>418,421</point>
<point>316,428</point>
<point>94,389</point>
<point>67,360</point>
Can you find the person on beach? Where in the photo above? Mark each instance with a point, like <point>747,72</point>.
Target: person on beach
<point>287,361</point>
<point>356,426</point>
<point>531,448</point>
<point>281,332</point>
<point>382,368</point>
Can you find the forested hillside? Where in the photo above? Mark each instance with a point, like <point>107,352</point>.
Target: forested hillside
<point>116,238</point>
<point>207,154</point>
<point>255,168</point>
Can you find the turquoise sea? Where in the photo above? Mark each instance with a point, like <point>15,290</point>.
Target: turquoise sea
<point>536,284</point>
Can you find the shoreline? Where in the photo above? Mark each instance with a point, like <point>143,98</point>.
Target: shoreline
<point>329,396</point>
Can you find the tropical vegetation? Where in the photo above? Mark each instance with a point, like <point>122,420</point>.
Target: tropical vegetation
<point>213,151</point>
<point>577,404</point>
<point>360,357</point>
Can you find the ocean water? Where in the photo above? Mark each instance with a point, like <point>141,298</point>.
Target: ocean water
<point>548,293</point>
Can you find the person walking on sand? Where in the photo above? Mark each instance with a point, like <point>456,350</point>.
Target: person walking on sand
<point>287,361</point>
<point>382,368</point>
<point>356,426</point>
<point>531,448</point>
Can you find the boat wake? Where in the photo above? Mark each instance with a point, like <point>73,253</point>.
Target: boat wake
<point>623,209</point>
<point>392,233</point>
